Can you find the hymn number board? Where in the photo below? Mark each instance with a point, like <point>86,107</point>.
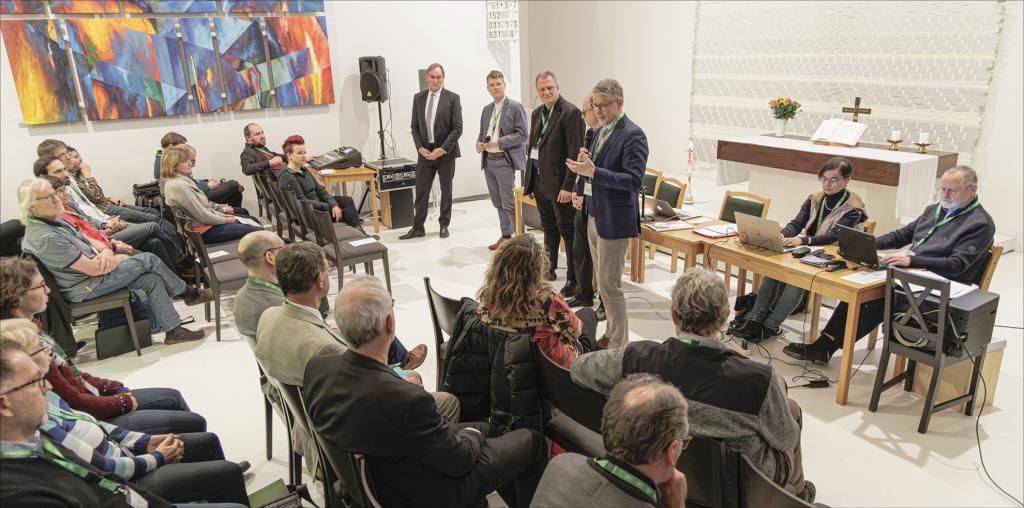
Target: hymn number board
<point>502,20</point>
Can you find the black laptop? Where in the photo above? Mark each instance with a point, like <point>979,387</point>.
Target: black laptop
<point>858,246</point>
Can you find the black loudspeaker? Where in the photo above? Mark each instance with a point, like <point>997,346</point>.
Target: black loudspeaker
<point>402,208</point>
<point>373,79</point>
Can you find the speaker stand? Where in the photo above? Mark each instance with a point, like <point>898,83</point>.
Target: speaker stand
<point>380,122</point>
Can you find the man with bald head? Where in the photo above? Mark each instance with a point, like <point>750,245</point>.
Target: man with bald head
<point>256,157</point>
<point>258,252</point>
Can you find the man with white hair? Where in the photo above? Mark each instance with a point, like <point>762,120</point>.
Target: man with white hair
<point>730,396</point>
<point>952,238</point>
<point>85,268</point>
<point>360,405</point>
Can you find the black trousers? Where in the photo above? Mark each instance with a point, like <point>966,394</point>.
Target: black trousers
<point>349,214</point>
<point>202,475</point>
<point>557,220</point>
<point>444,168</point>
<point>227,193</point>
<point>512,464</point>
<point>871,315</point>
<point>582,262</point>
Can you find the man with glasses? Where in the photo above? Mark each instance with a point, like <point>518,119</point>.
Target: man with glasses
<point>613,169</point>
<point>644,428</point>
<point>556,134</point>
<point>729,396</point>
<point>952,238</point>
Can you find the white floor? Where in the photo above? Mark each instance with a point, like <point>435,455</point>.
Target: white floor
<point>855,457</point>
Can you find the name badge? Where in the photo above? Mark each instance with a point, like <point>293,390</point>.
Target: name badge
<point>587,190</point>
<point>535,154</point>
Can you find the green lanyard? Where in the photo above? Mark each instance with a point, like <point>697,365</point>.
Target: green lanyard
<point>629,478</point>
<point>600,143</point>
<point>54,456</point>
<point>544,124</point>
<point>267,283</point>
<point>694,342</point>
<point>938,223</point>
<point>494,117</point>
<point>821,209</point>
<point>63,225</point>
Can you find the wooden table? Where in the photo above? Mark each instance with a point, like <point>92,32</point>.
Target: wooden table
<point>785,268</point>
<point>359,174</point>
<point>683,240</point>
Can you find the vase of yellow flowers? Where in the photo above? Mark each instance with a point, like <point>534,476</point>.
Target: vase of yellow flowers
<point>783,109</point>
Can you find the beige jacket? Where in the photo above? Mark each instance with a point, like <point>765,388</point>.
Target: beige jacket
<point>181,192</point>
<point>288,337</point>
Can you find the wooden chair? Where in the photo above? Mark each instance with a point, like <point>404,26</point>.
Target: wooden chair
<point>673,192</point>
<point>742,202</point>
<point>443,311</point>
<point>652,178</point>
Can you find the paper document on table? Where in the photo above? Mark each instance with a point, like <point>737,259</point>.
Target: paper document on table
<point>865,277</point>
<point>364,241</point>
<point>672,225</point>
<point>686,213</point>
<point>698,220</point>
<point>719,231</point>
<point>217,253</point>
<point>248,222</point>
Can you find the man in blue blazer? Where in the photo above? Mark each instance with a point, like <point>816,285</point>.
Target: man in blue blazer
<point>608,194</point>
<point>502,148</point>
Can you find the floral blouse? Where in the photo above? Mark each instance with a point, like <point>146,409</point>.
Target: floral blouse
<point>554,327</point>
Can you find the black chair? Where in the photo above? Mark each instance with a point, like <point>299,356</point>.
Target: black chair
<point>291,420</point>
<point>291,219</point>
<point>712,473</point>
<point>226,251</point>
<point>759,491</point>
<point>269,401</point>
<point>216,275</point>
<point>572,414</point>
<point>121,299</point>
<point>443,311</point>
<point>303,220</point>
<point>341,252</point>
<point>912,327</point>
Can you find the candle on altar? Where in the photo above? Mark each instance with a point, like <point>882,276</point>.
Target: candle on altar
<point>895,135</point>
<point>924,138</point>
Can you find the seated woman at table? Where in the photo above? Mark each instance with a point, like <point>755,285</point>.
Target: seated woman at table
<point>297,178</point>
<point>515,295</point>
<point>215,223</point>
<point>815,224</point>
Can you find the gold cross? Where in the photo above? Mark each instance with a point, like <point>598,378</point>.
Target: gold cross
<point>856,109</point>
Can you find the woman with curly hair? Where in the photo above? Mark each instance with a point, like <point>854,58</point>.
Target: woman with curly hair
<point>24,294</point>
<point>515,295</point>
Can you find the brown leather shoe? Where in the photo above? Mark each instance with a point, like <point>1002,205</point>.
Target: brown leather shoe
<point>185,335</point>
<point>200,296</point>
<point>416,357</point>
<point>495,245</point>
<point>602,343</point>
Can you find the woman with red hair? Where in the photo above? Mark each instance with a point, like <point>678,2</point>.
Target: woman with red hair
<point>297,178</point>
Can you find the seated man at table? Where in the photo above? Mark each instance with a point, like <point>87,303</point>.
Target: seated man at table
<point>815,224</point>
<point>644,429</point>
<point>951,238</point>
<point>730,396</point>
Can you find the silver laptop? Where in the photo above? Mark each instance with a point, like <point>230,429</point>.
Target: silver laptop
<point>655,206</point>
<point>760,233</point>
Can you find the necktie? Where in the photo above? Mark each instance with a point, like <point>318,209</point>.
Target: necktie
<point>430,118</point>
<point>605,132</point>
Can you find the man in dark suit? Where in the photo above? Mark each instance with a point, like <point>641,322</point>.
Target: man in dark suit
<point>582,262</point>
<point>610,200</point>
<point>358,404</point>
<point>256,157</point>
<point>556,134</point>
<point>436,128</point>
<point>502,148</point>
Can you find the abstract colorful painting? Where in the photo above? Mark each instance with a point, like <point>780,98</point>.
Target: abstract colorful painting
<point>241,6</point>
<point>22,7</point>
<point>129,67</point>
<point>201,63</point>
<point>302,6</point>
<point>42,75</point>
<point>84,7</point>
<point>300,60</point>
<point>243,63</point>
<point>171,6</point>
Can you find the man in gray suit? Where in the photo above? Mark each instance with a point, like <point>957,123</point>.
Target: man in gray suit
<point>502,149</point>
<point>436,128</point>
<point>644,429</point>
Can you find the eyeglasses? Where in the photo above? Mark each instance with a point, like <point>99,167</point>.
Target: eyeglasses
<point>39,381</point>
<point>831,179</point>
<point>44,347</point>
<point>192,162</point>
<point>51,197</point>
<point>685,442</point>
<point>40,286</point>
<point>947,190</point>
<point>601,106</point>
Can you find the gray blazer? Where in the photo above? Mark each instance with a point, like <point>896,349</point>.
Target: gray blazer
<point>570,481</point>
<point>513,129</point>
<point>250,302</point>
<point>287,338</point>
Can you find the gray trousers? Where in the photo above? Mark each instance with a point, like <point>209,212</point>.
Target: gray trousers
<point>500,176</point>
<point>775,302</point>
<point>609,262</point>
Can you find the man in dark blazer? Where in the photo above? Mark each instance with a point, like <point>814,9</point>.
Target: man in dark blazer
<point>609,196</point>
<point>358,404</point>
<point>256,157</point>
<point>436,128</point>
<point>502,148</point>
<point>556,134</point>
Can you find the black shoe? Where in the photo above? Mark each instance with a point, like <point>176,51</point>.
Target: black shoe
<point>568,290</point>
<point>244,466</point>
<point>768,333</point>
<point>550,275</point>
<point>818,352</point>
<point>576,301</point>
<point>741,329</point>
<point>601,316</point>
<point>412,233</point>
<point>444,231</point>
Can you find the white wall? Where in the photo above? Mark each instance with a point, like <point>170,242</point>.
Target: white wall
<point>410,35</point>
<point>647,46</point>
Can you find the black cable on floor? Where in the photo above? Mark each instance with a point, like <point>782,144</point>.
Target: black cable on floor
<point>977,431</point>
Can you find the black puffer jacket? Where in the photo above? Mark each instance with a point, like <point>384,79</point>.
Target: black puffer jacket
<point>491,371</point>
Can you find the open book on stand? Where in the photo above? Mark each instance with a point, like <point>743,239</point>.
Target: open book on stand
<point>839,132</point>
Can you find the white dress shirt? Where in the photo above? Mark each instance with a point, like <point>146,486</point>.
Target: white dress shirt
<point>433,114</point>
